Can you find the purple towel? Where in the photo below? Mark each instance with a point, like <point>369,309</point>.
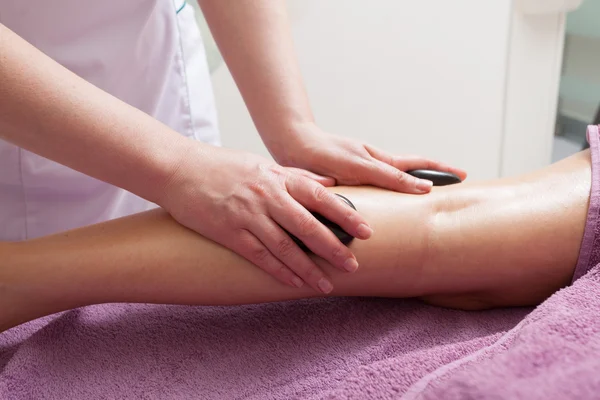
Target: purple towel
<point>332,348</point>
<point>554,353</point>
<point>315,349</point>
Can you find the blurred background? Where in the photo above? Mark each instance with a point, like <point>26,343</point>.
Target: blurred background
<point>579,96</point>
<point>497,87</point>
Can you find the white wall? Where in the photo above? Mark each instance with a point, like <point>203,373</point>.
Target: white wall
<point>532,87</point>
<point>422,77</point>
<point>470,82</point>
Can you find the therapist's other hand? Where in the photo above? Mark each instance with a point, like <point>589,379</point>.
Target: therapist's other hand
<point>245,202</point>
<point>353,163</point>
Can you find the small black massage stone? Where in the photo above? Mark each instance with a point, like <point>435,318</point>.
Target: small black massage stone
<point>344,237</point>
<point>437,177</point>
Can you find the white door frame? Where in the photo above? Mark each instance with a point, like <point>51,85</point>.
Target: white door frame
<point>532,83</point>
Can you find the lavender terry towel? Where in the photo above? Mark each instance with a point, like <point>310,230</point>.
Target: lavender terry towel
<point>317,349</point>
<point>334,348</point>
<point>554,353</point>
<point>589,254</point>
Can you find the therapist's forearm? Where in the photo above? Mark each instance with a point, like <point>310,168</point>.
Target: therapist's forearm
<point>255,40</point>
<point>50,111</point>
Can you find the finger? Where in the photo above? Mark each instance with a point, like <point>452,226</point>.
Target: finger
<point>326,181</point>
<point>320,200</point>
<point>288,253</point>
<point>316,236</point>
<point>251,248</point>
<point>377,173</point>
<point>407,163</point>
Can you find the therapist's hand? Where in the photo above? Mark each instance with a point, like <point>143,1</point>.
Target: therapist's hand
<point>244,202</point>
<point>350,162</point>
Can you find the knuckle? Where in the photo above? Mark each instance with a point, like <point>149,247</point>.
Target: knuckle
<point>338,252</point>
<point>264,169</point>
<point>284,248</point>
<point>307,225</point>
<point>401,177</point>
<point>275,172</point>
<point>311,271</point>
<point>320,194</point>
<point>260,254</point>
<point>349,217</point>
<point>258,188</point>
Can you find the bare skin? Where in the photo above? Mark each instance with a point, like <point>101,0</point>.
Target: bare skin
<point>48,110</point>
<point>506,242</point>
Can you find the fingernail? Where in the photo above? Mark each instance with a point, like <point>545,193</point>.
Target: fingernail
<point>297,282</point>
<point>424,185</point>
<point>364,232</point>
<point>325,286</point>
<point>351,265</point>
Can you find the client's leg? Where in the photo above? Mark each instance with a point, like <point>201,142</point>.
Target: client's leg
<point>507,242</point>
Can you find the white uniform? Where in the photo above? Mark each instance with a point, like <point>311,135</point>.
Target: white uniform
<point>148,53</point>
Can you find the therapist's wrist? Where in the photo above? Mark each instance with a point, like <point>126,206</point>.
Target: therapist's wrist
<point>163,164</point>
<point>284,140</point>
<point>193,163</point>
